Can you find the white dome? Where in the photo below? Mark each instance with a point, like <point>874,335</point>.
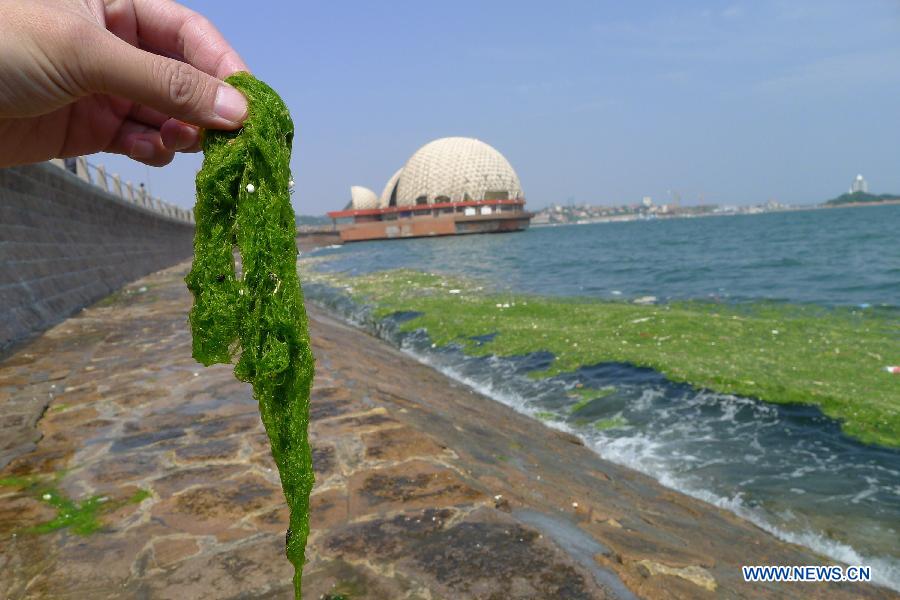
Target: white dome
<point>455,169</point>
<point>389,189</point>
<point>362,198</point>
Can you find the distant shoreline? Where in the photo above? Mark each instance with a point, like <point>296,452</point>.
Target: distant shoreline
<point>863,204</point>
<point>658,217</point>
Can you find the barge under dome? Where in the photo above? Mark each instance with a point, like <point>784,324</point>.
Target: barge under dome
<point>449,186</point>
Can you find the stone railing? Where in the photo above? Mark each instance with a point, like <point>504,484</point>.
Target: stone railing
<point>97,175</point>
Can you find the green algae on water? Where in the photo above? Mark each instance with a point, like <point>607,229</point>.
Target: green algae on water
<point>588,395</point>
<point>779,353</point>
<point>611,423</point>
<point>257,317</point>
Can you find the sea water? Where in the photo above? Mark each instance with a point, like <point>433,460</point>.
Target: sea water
<point>789,469</point>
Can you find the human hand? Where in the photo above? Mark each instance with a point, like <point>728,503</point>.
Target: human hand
<point>134,77</point>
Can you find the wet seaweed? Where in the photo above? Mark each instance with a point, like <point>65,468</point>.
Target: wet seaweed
<point>256,316</point>
<point>80,517</point>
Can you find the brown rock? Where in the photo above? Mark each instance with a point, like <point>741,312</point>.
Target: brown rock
<point>93,563</point>
<point>235,533</point>
<point>226,426</point>
<point>327,509</point>
<point>400,443</point>
<point>692,573</point>
<point>41,461</point>
<point>176,480</point>
<point>57,374</point>
<point>332,579</point>
<point>363,422</point>
<point>212,450</point>
<point>487,555</point>
<point>126,469</point>
<point>324,460</point>
<point>412,484</point>
<point>214,508</point>
<point>275,520</point>
<point>330,402</point>
<point>168,551</point>
<point>256,569</point>
<point>19,511</point>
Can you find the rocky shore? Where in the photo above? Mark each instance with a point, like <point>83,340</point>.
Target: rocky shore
<point>425,489</point>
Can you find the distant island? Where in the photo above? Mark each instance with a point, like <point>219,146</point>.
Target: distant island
<point>861,197</point>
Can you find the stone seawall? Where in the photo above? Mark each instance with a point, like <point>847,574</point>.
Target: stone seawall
<point>65,243</point>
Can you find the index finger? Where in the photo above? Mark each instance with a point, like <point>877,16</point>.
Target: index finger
<point>169,27</point>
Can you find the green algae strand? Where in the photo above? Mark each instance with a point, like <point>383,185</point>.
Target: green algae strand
<point>255,316</point>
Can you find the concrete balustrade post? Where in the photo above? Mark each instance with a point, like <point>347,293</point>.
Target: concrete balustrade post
<point>117,186</point>
<point>81,169</point>
<point>101,177</point>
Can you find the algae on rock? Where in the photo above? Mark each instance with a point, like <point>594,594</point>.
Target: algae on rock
<point>257,317</point>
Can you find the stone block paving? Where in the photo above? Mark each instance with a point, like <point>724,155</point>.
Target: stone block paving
<point>424,488</point>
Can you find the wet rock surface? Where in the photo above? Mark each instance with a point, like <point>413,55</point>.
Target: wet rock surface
<point>425,489</point>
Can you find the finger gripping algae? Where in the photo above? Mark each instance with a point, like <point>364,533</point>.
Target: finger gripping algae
<point>257,316</point>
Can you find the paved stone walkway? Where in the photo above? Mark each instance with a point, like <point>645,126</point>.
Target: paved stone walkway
<point>425,489</point>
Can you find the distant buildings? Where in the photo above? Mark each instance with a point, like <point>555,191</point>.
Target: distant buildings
<point>859,195</point>
<point>646,209</point>
<point>859,185</point>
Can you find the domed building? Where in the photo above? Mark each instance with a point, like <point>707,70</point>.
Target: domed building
<point>390,190</point>
<point>362,198</point>
<point>449,186</point>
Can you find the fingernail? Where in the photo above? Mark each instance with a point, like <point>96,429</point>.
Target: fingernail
<point>231,105</point>
<point>141,149</point>
<point>187,137</point>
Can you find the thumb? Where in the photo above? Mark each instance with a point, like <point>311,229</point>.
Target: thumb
<point>170,86</point>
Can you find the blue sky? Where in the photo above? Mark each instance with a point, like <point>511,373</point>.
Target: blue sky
<point>591,101</point>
